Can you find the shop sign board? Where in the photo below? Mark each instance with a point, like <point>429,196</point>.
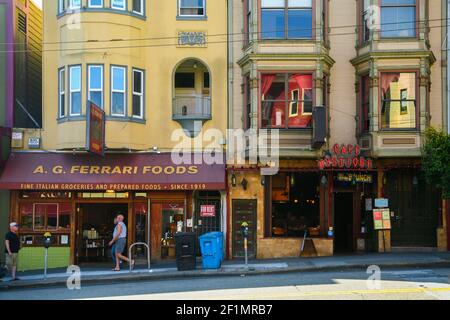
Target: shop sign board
<point>354,177</point>
<point>345,157</point>
<point>119,172</point>
<point>382,219</point>
<point>381,203</point>
<point>207,211</point>
<point>95,135</point>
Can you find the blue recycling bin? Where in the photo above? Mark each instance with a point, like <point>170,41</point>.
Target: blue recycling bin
<point>211,247</point>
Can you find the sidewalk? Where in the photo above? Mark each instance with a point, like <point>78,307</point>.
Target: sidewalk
<point>89,275</point>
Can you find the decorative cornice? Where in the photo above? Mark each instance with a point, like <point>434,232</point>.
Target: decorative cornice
<point>429,55</point>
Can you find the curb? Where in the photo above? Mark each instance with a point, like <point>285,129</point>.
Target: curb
<point>61,282</point>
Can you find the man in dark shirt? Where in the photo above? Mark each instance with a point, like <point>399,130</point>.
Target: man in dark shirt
<point>12,247</point>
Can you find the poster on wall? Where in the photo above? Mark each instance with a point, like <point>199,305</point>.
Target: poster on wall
<point>95,133</point>
<point>381,219</point>
<point>207,211</point>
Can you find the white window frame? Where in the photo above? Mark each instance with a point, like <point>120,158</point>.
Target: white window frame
<point>75,91</point>
<point>101,83</point>
<point>72,7</point>
<point>61,6</point>
<point>192,15</point>
<point>124,91</point>
<point>142,8</point>
<point>90,5</point>
<point>139,94</point>
<point>61,92</point>
<point>123,8</point>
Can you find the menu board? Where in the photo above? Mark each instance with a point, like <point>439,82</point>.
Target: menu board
<point>382,219</point>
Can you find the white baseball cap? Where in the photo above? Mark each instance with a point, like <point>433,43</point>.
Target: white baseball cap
<point>13,224</point>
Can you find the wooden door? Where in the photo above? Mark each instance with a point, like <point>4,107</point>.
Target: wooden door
<point>244,210</point>
<point>155,231</point>
<point>79,234</point>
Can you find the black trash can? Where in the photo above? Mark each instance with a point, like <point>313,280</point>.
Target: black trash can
<point>185,249</point>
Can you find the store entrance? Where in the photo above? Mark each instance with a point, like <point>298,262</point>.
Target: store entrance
<point>343,222</point>
<point>95,224</point>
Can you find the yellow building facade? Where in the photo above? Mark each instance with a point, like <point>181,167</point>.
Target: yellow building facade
<point>158,71</point>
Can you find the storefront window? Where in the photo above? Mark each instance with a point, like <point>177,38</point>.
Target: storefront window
<point>65,211</point>
<point>26,213</point>
<point>287,100</point>
<point>398,92</point>
<point>42,216</point>
<point>295,204</point>
<point>39,216</point>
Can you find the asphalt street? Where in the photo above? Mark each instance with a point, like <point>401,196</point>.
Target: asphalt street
<point>394,284</point>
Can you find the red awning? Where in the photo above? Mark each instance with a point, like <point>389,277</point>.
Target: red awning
<point>127,172</point>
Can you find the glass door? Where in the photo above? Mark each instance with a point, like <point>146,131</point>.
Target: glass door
<point>172,220</point>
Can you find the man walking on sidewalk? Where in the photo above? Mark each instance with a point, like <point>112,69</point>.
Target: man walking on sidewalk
<point>12,247</point>
<point>120,241</point>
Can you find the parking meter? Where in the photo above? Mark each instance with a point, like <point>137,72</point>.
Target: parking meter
<point>244,229</point>
<point>47,240</point>
<point>47,243</point>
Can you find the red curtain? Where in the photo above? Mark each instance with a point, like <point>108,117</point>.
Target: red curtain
<point>386,79</point>
<point>266,83</point>
<point>304,81</point>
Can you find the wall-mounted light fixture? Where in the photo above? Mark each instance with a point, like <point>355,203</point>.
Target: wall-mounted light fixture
<point>263,180</point>
<point>415,181</point>
<point>324,180</point>
<point>233,180</point>
<point>244,184</point>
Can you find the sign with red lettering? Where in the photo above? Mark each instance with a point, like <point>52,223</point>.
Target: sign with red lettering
<point>345,157</point>
<point>207,211</point>
<point>95,135</point>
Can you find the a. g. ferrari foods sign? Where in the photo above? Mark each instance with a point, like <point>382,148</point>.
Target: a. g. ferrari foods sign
<point>36,171</point>
<point>345,157</point>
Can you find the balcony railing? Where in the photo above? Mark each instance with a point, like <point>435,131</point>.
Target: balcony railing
<point>195,107</point>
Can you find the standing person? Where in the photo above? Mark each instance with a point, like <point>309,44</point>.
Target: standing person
<point>120,241</point>
<point>12,247</point>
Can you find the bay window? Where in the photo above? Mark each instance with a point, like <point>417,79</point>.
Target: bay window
<point>191,7</point>
<point>286,100</point>
<point>366,20</point>
<point>286,19</point>
<point>365,104</point>
<point>398,100</point>
<point>95,3</point>
<point>61,6</point>
<point>119,4</point>
<point>138,94</point>
<point>62,93</point>
<point>75,90</point>
<point>118,91</point>
<point>248,20</point>
<point>138,7</point>
<point>95,84</point>
<point>74,4</point>
<point>398,18</point>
